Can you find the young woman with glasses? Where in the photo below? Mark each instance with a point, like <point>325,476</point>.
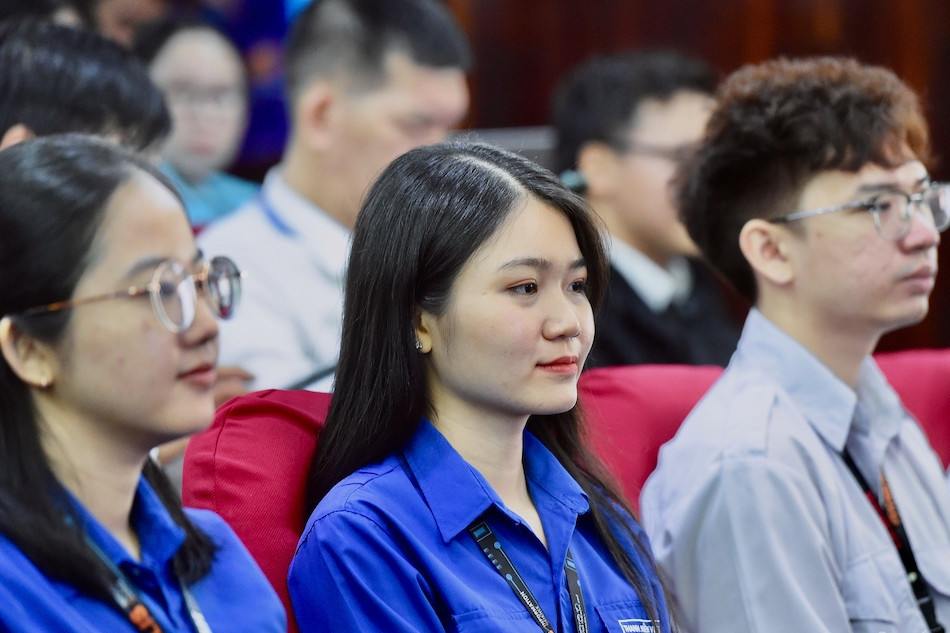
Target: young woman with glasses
<point>109,342</point>
<point>455,489</point>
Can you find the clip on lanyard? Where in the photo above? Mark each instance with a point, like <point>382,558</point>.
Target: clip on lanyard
<point>127,599</point>
<point>895,527</point>
<point>493,551</point>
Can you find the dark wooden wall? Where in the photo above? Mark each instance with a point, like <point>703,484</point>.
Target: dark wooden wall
<point>522,47</point>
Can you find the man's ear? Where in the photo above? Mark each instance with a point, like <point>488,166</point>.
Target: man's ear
<point>17,133</point>
<point>766,246</point>
<point>315,113</point>
<point>31,360</point>
<point>600,166</point>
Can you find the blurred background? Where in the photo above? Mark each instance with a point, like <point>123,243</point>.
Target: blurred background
<point>522,48</point>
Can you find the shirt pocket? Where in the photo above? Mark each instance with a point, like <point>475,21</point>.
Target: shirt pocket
<point>868,600</point>
<point>495,621</point>
<point>624,617</point>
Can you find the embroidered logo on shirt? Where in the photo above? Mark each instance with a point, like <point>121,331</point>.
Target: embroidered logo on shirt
<point>634,625</point>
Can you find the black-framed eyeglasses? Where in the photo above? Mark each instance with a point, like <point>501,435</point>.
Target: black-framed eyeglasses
<point>892,210</point>
<point>173,292</point>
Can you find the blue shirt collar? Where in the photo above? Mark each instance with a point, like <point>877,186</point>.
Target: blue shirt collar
<point>456,492</point>
<point>160,537</point>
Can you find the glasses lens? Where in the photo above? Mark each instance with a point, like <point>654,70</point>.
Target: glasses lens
<point>891,215</point>
<point>224,286</point>
<point>937,201</point>
<point>173,296</point>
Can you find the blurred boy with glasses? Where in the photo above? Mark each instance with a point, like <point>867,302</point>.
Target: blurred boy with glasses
<point>800,495</point>
<point>623,123</point>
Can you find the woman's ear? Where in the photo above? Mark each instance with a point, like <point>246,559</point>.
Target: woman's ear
<point>766,247</point>
<point>31,360</point>
<point>424,322</point>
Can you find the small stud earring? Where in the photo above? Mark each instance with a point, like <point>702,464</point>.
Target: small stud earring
<point>418,346</point>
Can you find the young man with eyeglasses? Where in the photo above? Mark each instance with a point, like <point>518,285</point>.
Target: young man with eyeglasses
<point>800,495</point>
<point>623,123</point>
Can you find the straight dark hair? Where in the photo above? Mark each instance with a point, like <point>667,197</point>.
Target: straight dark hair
<point>422,220</point>
<point>53,195</point>
<point>56,79</point>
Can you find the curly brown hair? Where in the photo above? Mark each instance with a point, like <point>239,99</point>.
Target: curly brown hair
<point>778,124</point>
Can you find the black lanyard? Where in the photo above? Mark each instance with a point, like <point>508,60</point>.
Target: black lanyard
<point>895,527</point>
<point>493,551</point>
<point>127,599</point>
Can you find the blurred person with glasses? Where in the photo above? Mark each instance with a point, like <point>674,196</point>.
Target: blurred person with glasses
<point>624,122</point>
<point>204,81</point>
<point>109,343</point>
<point>800,494</point>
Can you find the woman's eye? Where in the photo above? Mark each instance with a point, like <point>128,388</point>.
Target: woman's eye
<point>528,288</point>
<point>579,286</point>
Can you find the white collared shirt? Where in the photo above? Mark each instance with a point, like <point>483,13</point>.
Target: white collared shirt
<point>759,524</point>
<point>657,286</point>
<point>289,321</point>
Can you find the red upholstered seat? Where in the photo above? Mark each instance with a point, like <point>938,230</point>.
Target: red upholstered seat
<point>250,465</point>
<point>634,410</point>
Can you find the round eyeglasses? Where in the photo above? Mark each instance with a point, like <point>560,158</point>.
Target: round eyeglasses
<point>173,292</point>
<point>892,210</point>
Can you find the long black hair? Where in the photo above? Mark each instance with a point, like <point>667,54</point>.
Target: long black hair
<point>53,195</point>
<point>425,216</point>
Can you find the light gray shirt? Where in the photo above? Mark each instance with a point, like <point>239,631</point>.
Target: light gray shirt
<point>289,321</point>
<point>757,521</point>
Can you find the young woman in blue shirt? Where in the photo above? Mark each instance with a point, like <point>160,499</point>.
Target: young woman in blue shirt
<point>108,343</point>
<point>455,488</point>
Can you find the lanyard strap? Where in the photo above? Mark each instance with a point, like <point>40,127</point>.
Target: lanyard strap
<point>274,218</point>
<point>493,551</point>
<point>895,527</point>
<point>127,599</point>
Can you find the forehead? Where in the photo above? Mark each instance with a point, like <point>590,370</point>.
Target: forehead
<point>410,85</point>
<point>533,229</point>
<point>197,53</point>
<point>835,186</point>
<point>142,219</point>
<point>683,116</point>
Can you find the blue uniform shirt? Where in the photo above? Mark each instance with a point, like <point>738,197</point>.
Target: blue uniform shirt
<point>234,596</point>
<point>388,549</point>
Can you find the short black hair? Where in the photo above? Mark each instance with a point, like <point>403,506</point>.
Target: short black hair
<point>598,99</point>
<point>56,79</point>
<point>777,125</point>
<point>355,37</point>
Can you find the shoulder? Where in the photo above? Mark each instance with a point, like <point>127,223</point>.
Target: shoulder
<point>743,432</point>
<point>246,225</point>
<point>376,494</point>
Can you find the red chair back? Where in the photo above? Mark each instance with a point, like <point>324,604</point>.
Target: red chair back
<point>250,466</point>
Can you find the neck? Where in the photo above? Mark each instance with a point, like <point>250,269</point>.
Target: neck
<point>839,346</point>
<point>308,176</point>
<point>615,224</point>
<point>102,476</point>
<point>494,450</point>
